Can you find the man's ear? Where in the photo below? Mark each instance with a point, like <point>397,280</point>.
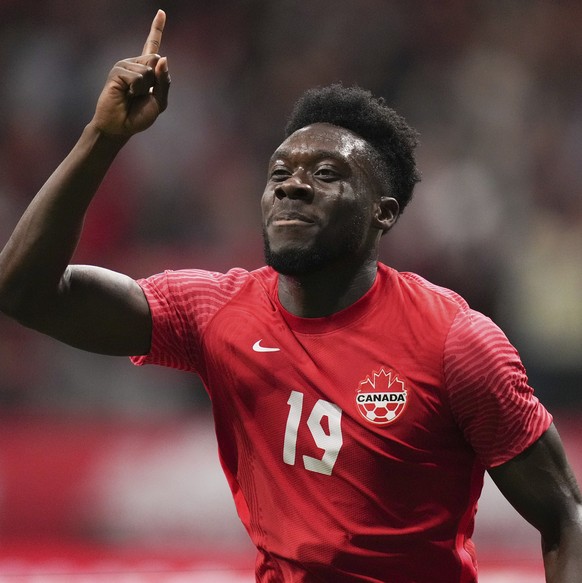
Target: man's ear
<point>386,213</point>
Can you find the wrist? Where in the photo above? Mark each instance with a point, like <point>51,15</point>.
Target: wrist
<point>100,139</point>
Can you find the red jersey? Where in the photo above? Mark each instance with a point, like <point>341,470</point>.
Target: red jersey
<point>355,445</point>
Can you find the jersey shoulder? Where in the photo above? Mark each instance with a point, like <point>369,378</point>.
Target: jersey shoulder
<point>439,307</point>
<point>427,291</point>
<point>426,304</point>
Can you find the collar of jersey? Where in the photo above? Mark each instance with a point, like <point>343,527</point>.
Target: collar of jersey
<point>343,318</point>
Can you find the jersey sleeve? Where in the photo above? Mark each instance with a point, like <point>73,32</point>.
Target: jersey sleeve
<point>489,391</point>
<point>182,304</point>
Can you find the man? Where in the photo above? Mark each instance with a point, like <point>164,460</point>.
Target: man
<point>356,408</point>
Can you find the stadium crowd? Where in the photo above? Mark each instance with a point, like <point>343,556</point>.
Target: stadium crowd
<point>491,86</point>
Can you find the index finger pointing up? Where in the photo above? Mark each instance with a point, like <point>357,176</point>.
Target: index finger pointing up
<point>154,40</point>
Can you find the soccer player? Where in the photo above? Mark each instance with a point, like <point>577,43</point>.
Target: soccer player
<point>356,408</point>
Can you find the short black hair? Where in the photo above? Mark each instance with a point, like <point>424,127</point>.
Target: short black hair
<point>392,141</point>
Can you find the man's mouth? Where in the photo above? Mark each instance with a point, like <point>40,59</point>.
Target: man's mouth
<point>291,218</point>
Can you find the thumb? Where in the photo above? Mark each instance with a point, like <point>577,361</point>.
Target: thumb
<point>161,86</point>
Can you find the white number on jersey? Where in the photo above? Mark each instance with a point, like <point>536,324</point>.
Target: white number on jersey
<point>330,442</point>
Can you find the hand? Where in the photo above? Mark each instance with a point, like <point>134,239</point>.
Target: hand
<point>136,90</point>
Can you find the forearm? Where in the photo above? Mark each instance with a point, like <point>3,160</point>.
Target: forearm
<point>34,260</point>
<point>563,559</point>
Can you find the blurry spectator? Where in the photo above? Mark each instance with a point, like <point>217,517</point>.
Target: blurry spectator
<point>489,85</point>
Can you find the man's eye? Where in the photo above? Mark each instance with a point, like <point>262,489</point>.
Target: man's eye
<point>280,174</point>
<point>327,174</point>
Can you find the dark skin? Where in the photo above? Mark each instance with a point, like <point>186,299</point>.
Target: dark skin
<point>37,286</point>
<point>319,179</point>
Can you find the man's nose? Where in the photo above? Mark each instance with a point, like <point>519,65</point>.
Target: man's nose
<point>294,187</point>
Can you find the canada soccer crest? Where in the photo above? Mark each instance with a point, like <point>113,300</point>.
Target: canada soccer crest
<point>381,397</point>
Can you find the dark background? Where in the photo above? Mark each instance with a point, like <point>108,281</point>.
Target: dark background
<point>494,87</point>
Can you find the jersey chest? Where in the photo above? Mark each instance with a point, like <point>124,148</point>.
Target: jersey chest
<point>334,432</point>
<point>339,394</point>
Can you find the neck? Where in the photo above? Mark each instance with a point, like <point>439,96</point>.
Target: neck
<point>327,291</point>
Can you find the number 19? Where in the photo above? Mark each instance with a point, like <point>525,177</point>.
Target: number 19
<point>330,442</point>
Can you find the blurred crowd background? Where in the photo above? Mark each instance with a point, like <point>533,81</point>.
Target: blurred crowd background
<point>494,88</point>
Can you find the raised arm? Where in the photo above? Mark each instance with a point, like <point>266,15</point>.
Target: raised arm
<point>541,486</point>
<point>88,307</point>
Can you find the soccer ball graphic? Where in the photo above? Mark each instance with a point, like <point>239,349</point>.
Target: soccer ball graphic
<point>378,413</point>
<point>381,397</point>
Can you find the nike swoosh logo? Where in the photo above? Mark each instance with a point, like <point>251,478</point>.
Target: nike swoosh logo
<point>258,348</point>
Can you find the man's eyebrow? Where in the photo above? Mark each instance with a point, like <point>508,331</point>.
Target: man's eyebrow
<point>283,153</point>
